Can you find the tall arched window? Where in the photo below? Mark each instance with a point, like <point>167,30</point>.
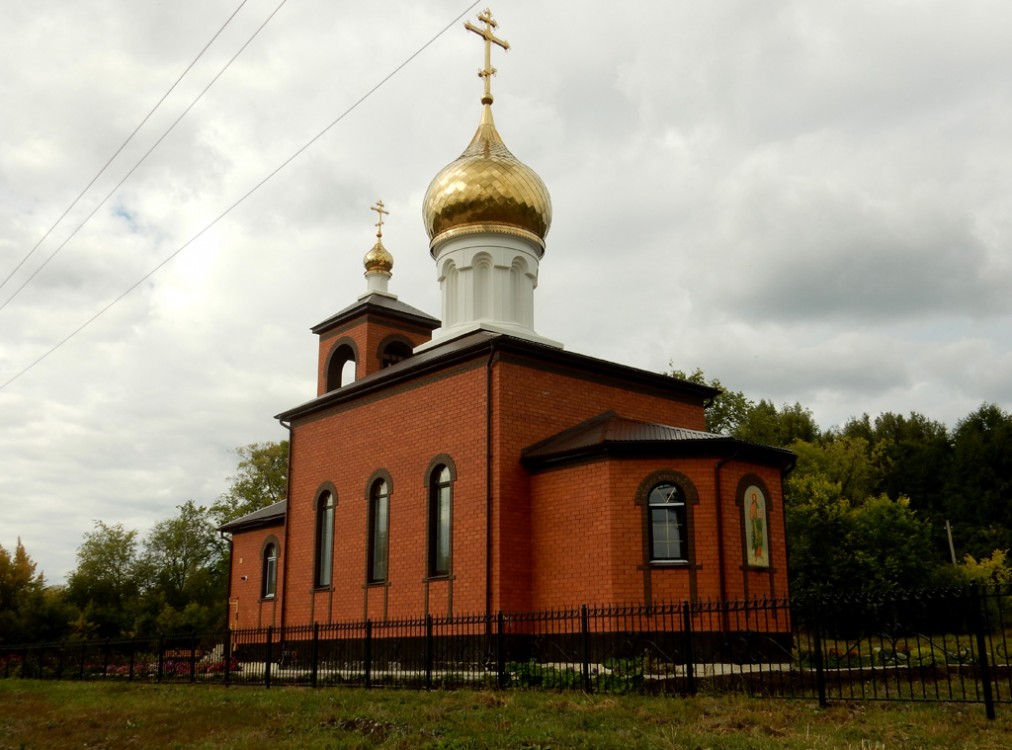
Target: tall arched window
<point>269,573</point>
<point>440,503</point>
<point>379,530</point>
<point>341,365</point>
<point>669,539</point>
<point>324,538</point>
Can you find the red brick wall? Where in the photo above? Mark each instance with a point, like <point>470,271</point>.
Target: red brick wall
<point>560,538</point>
<point>400,432</point>
<point>245,607</point>
<point>587,536</point>
<point>532,404</point>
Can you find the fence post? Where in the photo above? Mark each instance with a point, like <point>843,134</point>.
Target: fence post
<point>133,652</point>
<point>368,653</point>
<point>500,655</point>
<point>428,652</point>
<point>585,646</point>
<point>820,671</point>
<point>690,651</point>
<point>161,657</point>
<point>314,670</point>
<point>59,661</point>
<point>979,615</point>
<point>268,656</point>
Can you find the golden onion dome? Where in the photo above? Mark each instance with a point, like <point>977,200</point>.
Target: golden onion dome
<point>378,259</point>
<point>487,189</point>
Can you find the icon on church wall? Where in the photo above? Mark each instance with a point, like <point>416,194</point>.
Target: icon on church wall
<point>756,533</point>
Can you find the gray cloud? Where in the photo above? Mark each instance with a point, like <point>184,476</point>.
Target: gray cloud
<point>808,202</point>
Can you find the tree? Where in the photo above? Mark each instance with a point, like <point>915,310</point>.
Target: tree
<point>104,585</point>
<point>728,409</point>
<point>846,462</point>
<point>21,595</point>
<point>979,487</point>
<point>262,479</point>
<point>767,425</point>
<point>182,569</point>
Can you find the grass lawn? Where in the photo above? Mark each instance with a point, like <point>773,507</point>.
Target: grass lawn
<point>49,715</point>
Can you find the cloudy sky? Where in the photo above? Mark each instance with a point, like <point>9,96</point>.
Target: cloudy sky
<point>809,201</point>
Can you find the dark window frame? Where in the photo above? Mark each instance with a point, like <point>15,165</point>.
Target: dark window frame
<point>440,477</point>
<point>323,547</point>
<point>378,492</point>
<point>689,499</point>
<point>269,568</point>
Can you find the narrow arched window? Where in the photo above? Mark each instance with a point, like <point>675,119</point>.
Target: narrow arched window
<point>269,576</point>
<point>668,528</point>
<point>379,530</point>
<point>440,503</point>
<point>324,539</point>
<point>341,366</point>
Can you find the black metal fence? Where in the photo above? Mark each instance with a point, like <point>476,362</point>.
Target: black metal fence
<point>929,646</point>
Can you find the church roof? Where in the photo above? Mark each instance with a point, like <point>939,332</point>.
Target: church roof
<point>264,517</point>
<point>383,304</point>
<point>480,345</point>
<point>611,434</point>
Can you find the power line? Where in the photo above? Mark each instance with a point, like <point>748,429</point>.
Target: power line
<point>248,193</point>
<point>117,152</point>
<point>140,161</point>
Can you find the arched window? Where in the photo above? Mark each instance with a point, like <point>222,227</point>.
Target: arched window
<point>379,530</point>
<point>324,538</point>
<point>440,504</point>
<point>269,574</point>
<point>669,539</point>
<point>393,351</point>
<point>341,365</point>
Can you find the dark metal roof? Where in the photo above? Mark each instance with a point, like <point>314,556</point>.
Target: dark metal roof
<point>610,434</point>
<point>480,344</point>
<point>263,517</point>
<point>381,304</point>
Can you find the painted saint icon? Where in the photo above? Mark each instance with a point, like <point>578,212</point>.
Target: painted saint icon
<point>756,533</point>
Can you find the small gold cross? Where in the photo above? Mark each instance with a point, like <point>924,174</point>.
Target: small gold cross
<point>378,208</point>
<point>490,39</point>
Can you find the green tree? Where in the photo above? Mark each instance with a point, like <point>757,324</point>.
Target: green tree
<point>913,455</point>
<point>979,487</point>
<point>21,595</point>
<point>847,462</point>
<point>728,409</point>
<point>261,479</point>
<point>768,425</point>
<point>104,585</point>
<point>182,569</point>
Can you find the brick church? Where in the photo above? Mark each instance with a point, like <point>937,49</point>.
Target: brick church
<point>467,464</point>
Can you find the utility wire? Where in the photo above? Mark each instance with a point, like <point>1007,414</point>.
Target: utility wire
<point>147,153</point>
<point>122,146</point>
<point>248,193</point>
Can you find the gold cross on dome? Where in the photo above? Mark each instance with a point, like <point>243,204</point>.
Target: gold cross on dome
<point>378,208</point>
<point>490,39</point>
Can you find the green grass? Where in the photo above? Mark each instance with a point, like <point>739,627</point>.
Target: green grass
<point>54,715</point>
